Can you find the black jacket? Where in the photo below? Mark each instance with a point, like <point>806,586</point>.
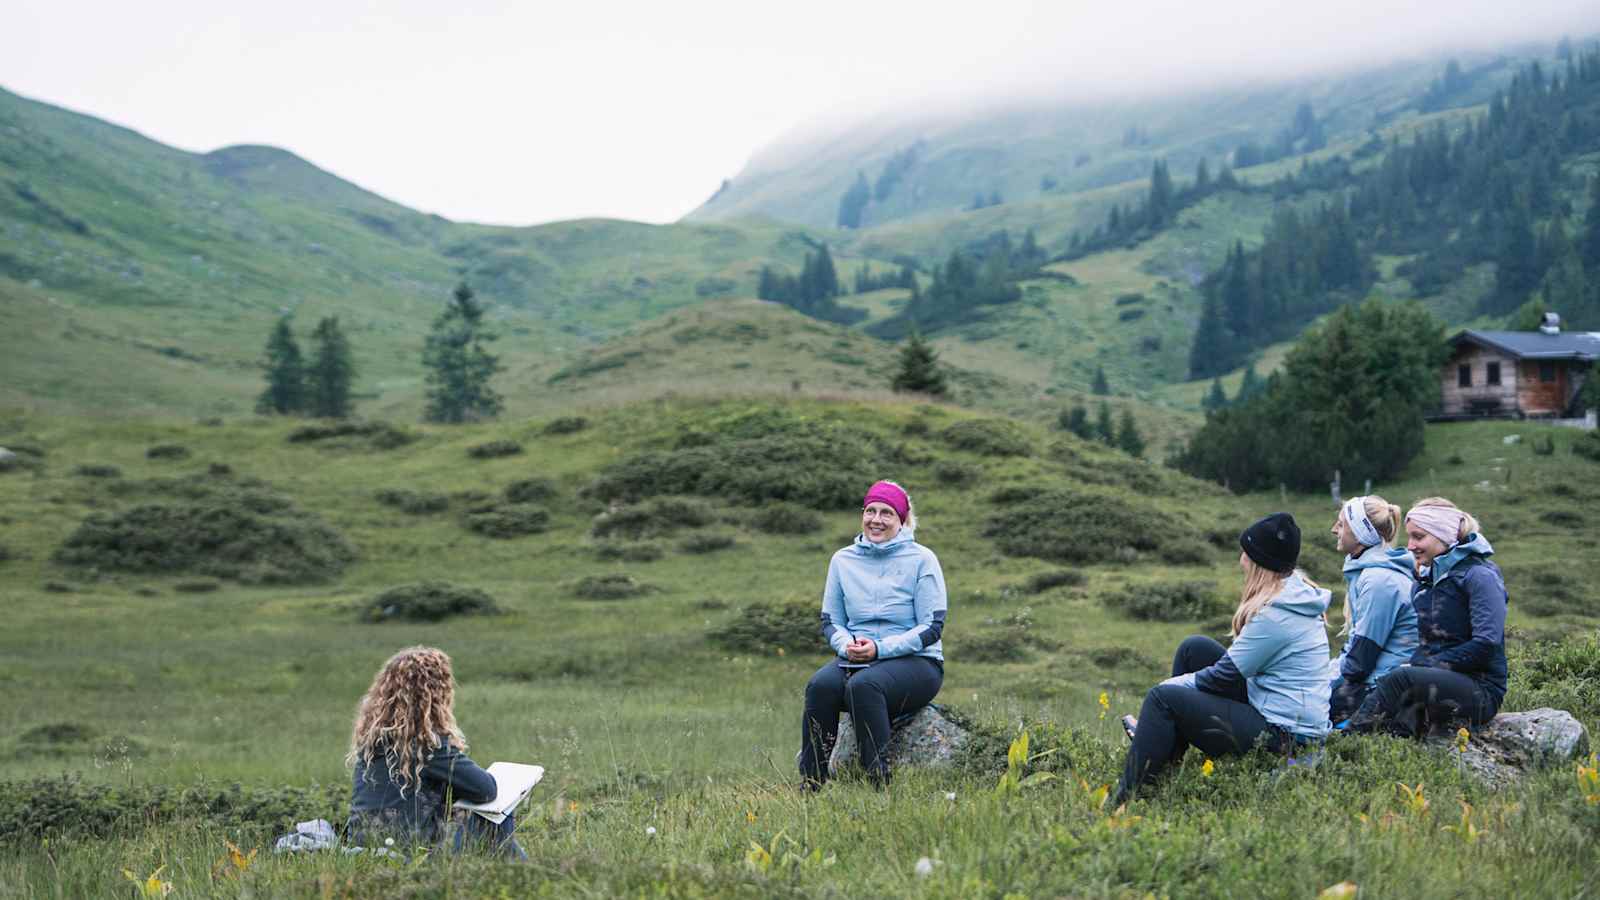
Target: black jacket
<point>1461,616</point>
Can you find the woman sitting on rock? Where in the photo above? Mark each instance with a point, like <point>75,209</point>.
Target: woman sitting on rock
<point>1270,684</point>
<point>1378,617</point>
<point>410,762</point>
<point>883,609</point>
<point>1457,675</point>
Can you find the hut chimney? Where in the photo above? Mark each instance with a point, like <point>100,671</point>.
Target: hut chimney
<point>1551,324</point>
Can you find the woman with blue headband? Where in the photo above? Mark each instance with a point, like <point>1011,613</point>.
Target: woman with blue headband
<point>1380,624</point>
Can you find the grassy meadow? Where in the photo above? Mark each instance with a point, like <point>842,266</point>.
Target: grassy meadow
<point>134,702</point>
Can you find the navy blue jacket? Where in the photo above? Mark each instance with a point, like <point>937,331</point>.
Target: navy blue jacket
<point>1461,616</point>
<point>380,808</point>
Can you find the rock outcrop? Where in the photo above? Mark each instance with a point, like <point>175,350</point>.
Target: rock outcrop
<point>1502,749</point>
<point>925,740</point>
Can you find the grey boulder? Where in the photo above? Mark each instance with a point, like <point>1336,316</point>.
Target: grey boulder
<point>926,740</point>
<point>1512,743</point>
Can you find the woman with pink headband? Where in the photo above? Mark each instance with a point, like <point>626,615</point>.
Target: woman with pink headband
<point>1458,672</point>
<point>883,609</point>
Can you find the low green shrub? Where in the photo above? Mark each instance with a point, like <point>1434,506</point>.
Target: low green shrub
<point>1547,592</point>
<point>494,449</point>
<point>1564,518</point>
<point>566,425</point>
<point>530,490</point>
<point>6,553</point>
<point>428,601</point>
<point>1078,526</point>
<point>952,474</point>
<point>167,451</point>
<point>1543,446</point>
<point>67,808</point>
<point>611,586</point>
<point>1170,601</point>
<point>97,470</point>
<point>1117,658</point>
<point>58,587</point>
<point>416,503</point>
<point>219,470</point>
<point>988,437</point>
<point>1005,639</point>
<point>507,521</point>
<point>786,518</point>
<point>247,535</point>
<point>629,551</point>
<point>706,543</point>
<point>766,628</point>
<point>57,733</point>
<point>196,587</point>
<point>1183,552</point>
<point>1588,446</point>
<point>1562,674</point>
<point>652,518</point>
<point>374,435</point>
<point>1055,578</point>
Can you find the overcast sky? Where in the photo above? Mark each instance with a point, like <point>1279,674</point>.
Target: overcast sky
<point>517,113</point>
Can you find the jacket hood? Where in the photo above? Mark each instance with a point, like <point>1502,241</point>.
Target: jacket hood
<point>1301,598</point>
<point>1475,545</point>
<point>1397,558</point>
<point>862,545</point>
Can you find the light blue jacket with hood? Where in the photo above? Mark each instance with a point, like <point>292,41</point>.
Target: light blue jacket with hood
<point>1383,623</point>
<point>1282,657</point>
<point>891,593</point>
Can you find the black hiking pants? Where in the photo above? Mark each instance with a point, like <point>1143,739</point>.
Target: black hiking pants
<point>1174,717</point>
<point>884,690</point>
<point>1414,700</point>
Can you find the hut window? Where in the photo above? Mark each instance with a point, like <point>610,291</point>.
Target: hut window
<point>1547,372</point>
<point>1464,376</point>
<point>1493,373</point>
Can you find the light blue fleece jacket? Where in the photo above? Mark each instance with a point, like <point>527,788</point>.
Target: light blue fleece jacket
<point>890,593</point>
<point>1282,655</point>
<point>1383,623</point>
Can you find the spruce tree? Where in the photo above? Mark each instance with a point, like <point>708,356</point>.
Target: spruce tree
<point>1076,421</point>
<point>1101,387</point>
<point>459,367</point>
<point>1128,438</point>
<point>1250,386</point>
<point>1589,244</point>
<point>1217,398</point>
<point>331,373</point>
<point>285,373</point>
<point>1104,430</point>
<point>919,368</point>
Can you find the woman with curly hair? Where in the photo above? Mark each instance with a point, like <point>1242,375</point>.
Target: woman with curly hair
<point>410,762</point>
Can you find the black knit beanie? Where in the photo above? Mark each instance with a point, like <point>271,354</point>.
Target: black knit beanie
<point>1273,542</point>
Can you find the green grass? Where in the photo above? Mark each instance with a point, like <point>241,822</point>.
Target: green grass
<point>644,722</point>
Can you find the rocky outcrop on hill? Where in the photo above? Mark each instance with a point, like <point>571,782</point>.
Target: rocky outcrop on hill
<point>924,740</point>
<point>1502,749</point>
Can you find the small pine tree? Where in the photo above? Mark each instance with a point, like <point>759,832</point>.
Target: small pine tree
<point>1250,386</point>
<point>332,370</point>
<point>459,367</point>
<point>1217,398</point>
<point>1128,438</point>
<point>1076,420</point>
<point>1101,387</point>
<point>919,368</point>
<point>1104,430</point>
<point>285,374</point>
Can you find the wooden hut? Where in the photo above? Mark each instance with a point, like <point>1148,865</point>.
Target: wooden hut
<point>1512,374</point>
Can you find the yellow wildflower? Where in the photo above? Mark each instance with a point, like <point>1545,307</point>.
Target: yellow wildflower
<point>152,887</point>
<point>1105,705</point>
<point>1462,736</point>
<point>1207,768</point>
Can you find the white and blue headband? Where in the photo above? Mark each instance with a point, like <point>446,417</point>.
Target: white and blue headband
<point>1355,515</point>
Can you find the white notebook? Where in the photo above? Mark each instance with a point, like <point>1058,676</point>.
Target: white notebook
<point>514,782</point>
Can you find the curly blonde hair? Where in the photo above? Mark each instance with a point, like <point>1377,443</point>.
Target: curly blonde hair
<point>407,713</point>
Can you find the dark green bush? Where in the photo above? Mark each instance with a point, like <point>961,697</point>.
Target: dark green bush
<point>643,551</point>
<point>1588,446</point>
<point>428,601</point>
<point>988,437</point>
<point>1117,658</point>
<point>494,449</point>
<point>955,475</point>
<point>507,521</point>
<point>219,470</point>
<point>612,586</point>
<point>1008,645</point>
<point>786,518</point>
<point>167,451</point>
<point>1547,592</point>
<point>1182,552</point>
<point>66,808</point>
<point>376,435</point>
<point>1565,518</point>
<point>1072,526</point>
<point>1172,601</point>
<point>706,543</point>
<point>752,459</point>
<point>769,627</point>
<point>5,553</point>
<point>196,587</point>
<point>1543,446</point>
<point>1055,578</point>
<point>416,503</point>
<point>652,518</point>
<point>1562,674</point>
<point>530,490</point>
<point>566,425</point>
<point>250,535</point>
<point>59,733</point>
<point>96,470</point>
